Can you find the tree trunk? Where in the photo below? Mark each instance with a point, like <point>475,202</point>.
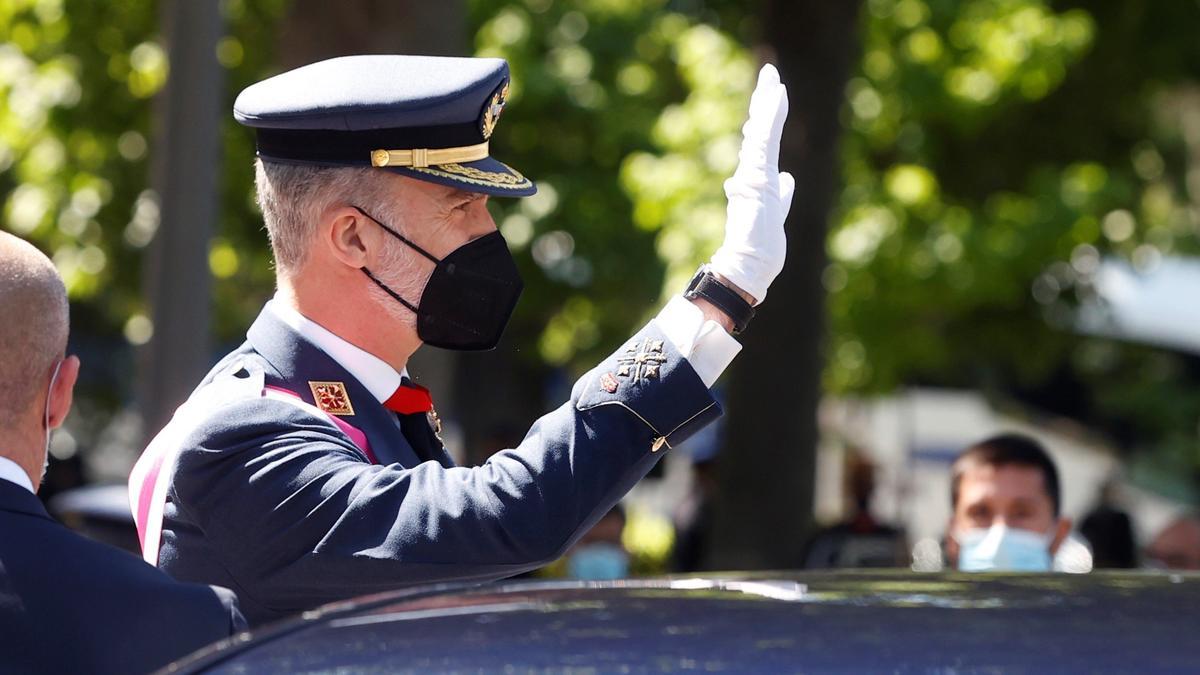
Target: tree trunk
<point>765,485</point>
<point>184,173</point>
<point>318,29</point>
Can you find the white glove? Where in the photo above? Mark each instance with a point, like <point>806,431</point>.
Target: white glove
<point>759,196</point>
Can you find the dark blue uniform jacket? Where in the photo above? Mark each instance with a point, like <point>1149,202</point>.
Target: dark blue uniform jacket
<point>279,504</point>
<point>70,605</point>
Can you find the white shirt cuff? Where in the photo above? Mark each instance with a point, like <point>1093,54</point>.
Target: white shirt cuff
<point>705,344</point>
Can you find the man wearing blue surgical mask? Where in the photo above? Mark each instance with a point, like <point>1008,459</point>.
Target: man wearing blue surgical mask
<point>1005,499</point>
<point>600,555</point>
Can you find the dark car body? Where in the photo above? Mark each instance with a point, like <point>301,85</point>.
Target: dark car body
<point>894,622</point>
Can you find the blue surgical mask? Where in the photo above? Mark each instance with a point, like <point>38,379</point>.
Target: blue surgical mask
<point>598,562</point>
<point>1003,549</point>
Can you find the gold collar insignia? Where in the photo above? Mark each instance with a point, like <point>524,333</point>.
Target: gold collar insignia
<point>331,397</point>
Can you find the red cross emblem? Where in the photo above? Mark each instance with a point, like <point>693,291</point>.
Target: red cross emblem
<point>331,397</point>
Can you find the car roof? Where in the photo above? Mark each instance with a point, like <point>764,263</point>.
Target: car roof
<point>769,622</point>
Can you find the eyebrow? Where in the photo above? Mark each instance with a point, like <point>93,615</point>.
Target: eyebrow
<point>1027,500</point>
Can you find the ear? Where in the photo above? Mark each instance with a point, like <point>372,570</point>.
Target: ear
<point>1060,534</point>
<point>62,393</point>
<point>348,235</point>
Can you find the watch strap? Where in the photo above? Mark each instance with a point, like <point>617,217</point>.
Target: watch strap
<point>706,285</point>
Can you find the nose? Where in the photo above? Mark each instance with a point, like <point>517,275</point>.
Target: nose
<point>480,222</point>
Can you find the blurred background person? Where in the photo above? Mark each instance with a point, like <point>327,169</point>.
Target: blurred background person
<point>860,540</point>
<point>1177,546</point>
<point>69,605</point>
<point>692,516</point>
<point>601,555</point>
<point>1108,530</point>
<point>1005,498</point>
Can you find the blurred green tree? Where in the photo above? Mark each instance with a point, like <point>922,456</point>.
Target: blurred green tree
<point>600,88</point>
<point>77,84</point>
<point>76,123</point>
<point>627,113</point>
<point>996,151</point>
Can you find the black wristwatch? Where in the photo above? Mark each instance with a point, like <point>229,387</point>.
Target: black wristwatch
<point>705,285</point>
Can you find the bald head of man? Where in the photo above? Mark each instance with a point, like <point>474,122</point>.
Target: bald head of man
<point>38,378</point>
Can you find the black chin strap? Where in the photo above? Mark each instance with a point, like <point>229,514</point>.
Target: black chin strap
<point>388,290</point>
<point>402,238</point>
<point>397,235</point>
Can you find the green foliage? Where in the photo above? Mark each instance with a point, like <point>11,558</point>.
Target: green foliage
<point>240,256</point>
<point>75,130</point>
<point>995,151</point>
<point>598,86</point>
<point>74,127</point>
<point>626,114</point>
<point>678,191</point>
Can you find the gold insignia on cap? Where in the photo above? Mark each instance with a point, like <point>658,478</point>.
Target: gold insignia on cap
<point>491,114</point>
<point>331,397</point>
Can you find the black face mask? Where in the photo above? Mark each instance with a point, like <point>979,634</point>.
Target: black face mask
<point>470,295</point>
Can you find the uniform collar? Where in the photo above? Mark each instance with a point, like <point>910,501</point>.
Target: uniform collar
<point>372,372</point>
<point>13,473</point>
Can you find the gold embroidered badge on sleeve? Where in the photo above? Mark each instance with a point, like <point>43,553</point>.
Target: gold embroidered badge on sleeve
<point>641,361</point>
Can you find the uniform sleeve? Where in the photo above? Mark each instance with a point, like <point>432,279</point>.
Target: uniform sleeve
<point>298,517</point>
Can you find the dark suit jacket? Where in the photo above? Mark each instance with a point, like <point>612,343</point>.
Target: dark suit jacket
<point>279,504</point>
<point>71,605</point>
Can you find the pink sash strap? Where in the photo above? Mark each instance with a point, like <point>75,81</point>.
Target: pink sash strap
<point>144,496</point>
<point>149,480</point>
<point>355,434</point>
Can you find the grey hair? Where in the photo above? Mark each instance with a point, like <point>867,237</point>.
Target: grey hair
<point>292,196</point>
<point>395,263</point>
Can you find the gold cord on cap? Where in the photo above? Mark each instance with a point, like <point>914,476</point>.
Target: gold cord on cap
<point>422,157</point>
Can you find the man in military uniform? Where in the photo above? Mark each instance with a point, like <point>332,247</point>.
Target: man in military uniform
<point>306,467</point>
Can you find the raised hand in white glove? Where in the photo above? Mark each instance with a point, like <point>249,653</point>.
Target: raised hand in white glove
<point>759,196</point>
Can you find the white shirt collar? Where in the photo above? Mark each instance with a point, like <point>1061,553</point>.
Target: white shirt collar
<point>13,473</point>
<point>371,371</point>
